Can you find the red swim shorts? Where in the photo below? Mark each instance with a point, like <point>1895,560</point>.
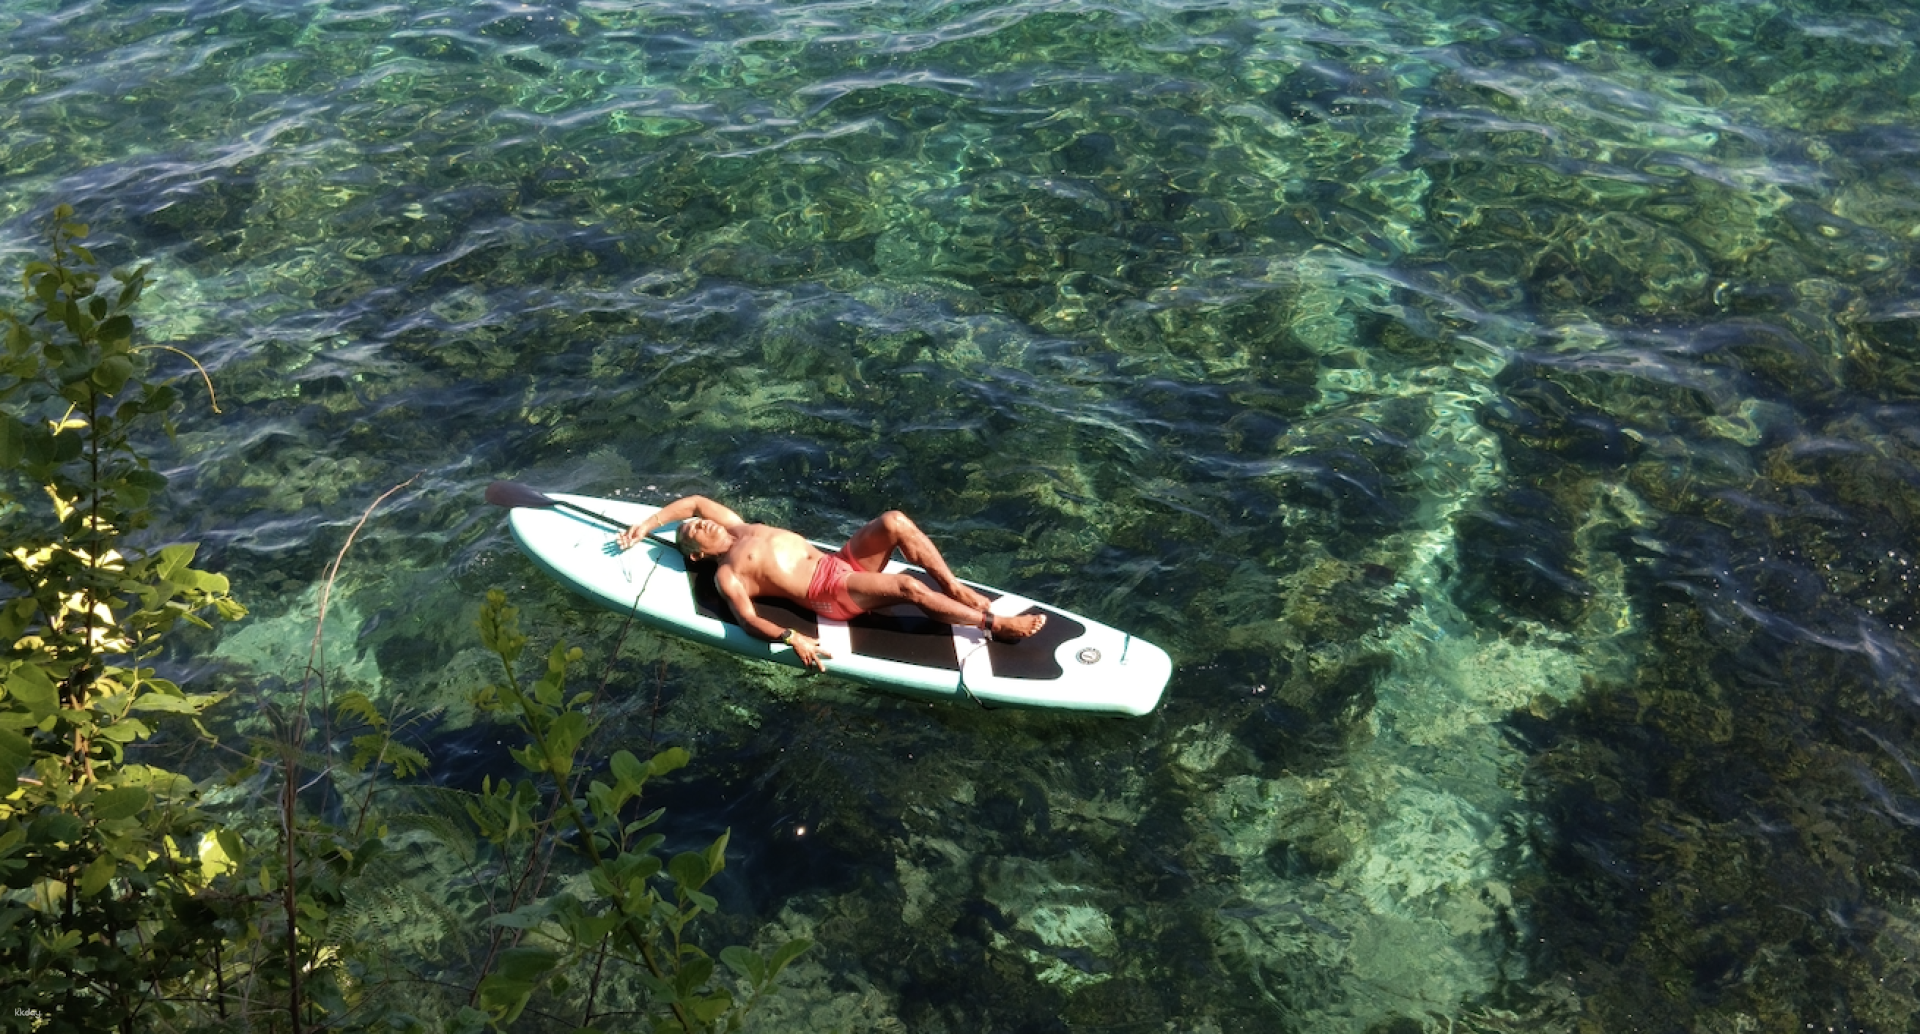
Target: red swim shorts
<point>827,594</point>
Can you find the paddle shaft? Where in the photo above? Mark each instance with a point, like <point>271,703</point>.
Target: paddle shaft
<point>604,519</point>
<point>601,517</point>
<point>513,495</point>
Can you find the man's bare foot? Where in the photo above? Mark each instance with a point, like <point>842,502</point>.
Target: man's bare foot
<point>1009,629</point>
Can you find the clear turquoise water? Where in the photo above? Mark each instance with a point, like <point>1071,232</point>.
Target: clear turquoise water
<point>1504,412</point>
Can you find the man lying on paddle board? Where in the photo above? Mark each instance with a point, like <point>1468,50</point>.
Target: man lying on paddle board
<point>762,560</point>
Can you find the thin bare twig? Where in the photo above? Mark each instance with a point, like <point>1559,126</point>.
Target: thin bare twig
<point>289,794</point>
<point>326,588</point>
<point>212,399</point>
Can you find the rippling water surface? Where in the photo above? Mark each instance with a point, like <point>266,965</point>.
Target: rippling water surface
<point>1504,412</point>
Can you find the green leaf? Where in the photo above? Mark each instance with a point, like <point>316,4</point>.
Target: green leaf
<point>164,702</point>
<point>98,874</point>
<point>56,828</point>
<point>524,964</point>
<point>117,329</point>
<point>523,918</point>
<point>746,963</point>
<point>231,844</point>
<point>689,870</point>
<point>643,867</point>
<point>357,704</point>
<point>563,738</point>
<point>500,627</point>
<point>600,800</point>
<point>34,690</point>
<point>67,445</point>
<point>693,974</point>
<point>135,282</point>
<point>157,398</point>
<point>120,803</point>
<point>711,1008</point>
<point>643,822</point>
<point>126,730</point>
<point>503,998</point>
<point>406,761</point>
<point>668,760</point>
<point>716,856</point>
<point>469,1020</point>
<point>113,373</point>
<point>547,690</point>
<point>13,441</point>
<point>39,445</point>
<point>785,954</point>
<point>365,748</point>
<point>15,751</point>
<point>77,320</point>
<point>153,481</point>
<point>628,770</point>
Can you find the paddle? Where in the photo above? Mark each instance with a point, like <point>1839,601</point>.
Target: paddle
<point>511,495</point>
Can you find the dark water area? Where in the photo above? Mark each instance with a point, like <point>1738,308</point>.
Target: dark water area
<point>1505,413</point>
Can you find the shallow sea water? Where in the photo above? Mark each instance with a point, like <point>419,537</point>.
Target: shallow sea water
<point>1504,412</point>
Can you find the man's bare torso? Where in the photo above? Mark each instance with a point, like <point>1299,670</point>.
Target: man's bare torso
<point>770,561</point>
<point>762,560</point>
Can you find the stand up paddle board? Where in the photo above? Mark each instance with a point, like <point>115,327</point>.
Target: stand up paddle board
<point>1073,663</point>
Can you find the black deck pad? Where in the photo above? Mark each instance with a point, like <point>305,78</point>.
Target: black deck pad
<point>904,634</point>
<point>1032,657</point>
<point>901,633</point>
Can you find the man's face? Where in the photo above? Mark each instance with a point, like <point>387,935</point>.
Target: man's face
<point>706,538</point>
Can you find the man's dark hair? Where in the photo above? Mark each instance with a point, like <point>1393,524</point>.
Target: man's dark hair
<point>680,540</point>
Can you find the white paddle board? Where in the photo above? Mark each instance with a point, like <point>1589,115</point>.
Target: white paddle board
<point>1074,663</point>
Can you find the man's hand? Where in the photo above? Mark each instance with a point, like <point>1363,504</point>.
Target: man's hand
<point>808,650</point>
<point>632,535</point>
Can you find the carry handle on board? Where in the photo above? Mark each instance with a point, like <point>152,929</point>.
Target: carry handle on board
<point>513,495</point>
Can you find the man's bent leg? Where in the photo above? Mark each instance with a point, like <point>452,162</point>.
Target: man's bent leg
<point>872,591</point>
<point>870,547</point>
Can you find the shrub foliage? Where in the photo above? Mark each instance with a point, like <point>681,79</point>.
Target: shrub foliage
<point>127,902</point>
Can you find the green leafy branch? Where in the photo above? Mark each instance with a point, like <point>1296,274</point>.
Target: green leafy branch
<point>629,916</point>
<point>98,859</point>
<point>125,905</point>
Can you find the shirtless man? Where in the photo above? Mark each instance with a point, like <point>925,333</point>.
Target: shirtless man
<point>762,560</point>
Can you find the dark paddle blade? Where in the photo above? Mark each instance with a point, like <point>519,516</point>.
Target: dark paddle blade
<point>510,495</point>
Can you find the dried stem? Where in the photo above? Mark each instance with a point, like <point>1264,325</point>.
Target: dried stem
<point>212,399</point>
<point>290,791</point>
